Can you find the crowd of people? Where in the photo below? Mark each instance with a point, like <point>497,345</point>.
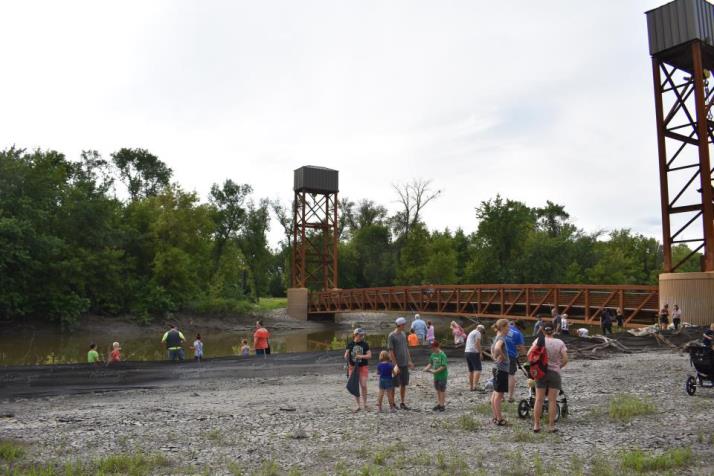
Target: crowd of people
<point>395,364</point>
<point>174,340</point>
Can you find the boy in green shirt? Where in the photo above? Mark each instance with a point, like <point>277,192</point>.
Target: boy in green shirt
<point>93,355</point>
<point>437,366</point>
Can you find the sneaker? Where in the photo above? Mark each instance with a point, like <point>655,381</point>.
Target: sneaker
<point>436,408</point>
<point>442,408</point>
<point>403,406</point>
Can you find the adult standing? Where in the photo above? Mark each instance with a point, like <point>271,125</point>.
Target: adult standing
<point>551,383</point>
<point>499,353</point>
<point>419,328</point>
<point>515,345</point>
<point>401,358</point>
<point>620,317</point>
<point>173,338</point>
<point>358,353</point>
<point>676,317</point>
<point>474,356</point>
<point>664,317</point>
<point>606,322</point>
<point>260,339</point>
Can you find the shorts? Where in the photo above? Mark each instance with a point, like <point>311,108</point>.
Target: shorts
<point>551,380</point>
<point>440,385</point>
<point>664,320</point>
<point>473,361</point>
<point>402,378</point>
<point>175,354</point>
<point>512,365</point>
<point>500,382</point>
<point>261,352</point>
<point>363,371</point>
<point>386,383</point>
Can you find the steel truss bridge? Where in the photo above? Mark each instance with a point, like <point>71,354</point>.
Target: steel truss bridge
<point>584,304</point>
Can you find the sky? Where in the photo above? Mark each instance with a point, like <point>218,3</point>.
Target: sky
<point>534,101</point>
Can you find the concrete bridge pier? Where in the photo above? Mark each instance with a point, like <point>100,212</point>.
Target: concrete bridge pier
<point>692,292</point>
<point>297,307</point>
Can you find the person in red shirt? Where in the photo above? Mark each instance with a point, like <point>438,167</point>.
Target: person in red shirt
<point>260,339</point>
<point>115,356</point>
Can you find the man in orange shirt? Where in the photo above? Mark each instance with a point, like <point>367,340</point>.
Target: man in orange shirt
<point>413,339</point>
<point>260,339</point>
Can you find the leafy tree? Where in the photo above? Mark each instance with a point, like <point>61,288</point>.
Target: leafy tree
<point>142,172</point>
<point>254,244</point>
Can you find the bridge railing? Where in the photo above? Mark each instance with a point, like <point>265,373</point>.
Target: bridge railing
<point>583,303</point>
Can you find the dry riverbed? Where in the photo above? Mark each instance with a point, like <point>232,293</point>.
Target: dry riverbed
<point>303,425</point>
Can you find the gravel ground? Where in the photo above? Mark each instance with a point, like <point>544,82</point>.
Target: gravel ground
<point>304,424</point>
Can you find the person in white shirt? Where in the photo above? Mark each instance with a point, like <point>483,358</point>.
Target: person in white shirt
<point>564,324</point>
<point>474,356</point>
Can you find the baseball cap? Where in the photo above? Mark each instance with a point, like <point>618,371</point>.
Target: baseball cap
<point>400,321</point>
<point>359,330</point>
<point>548,327</point>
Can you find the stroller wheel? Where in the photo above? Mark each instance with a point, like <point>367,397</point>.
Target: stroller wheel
<point>524,408</point>
<point>564,410</point>
<point>557,411</point>
<point>691,385</point>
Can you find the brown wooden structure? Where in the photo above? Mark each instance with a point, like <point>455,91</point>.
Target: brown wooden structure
<point>680,39</point>
<point>584,304</point>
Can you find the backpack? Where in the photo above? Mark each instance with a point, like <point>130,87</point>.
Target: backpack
<point>538,359</point>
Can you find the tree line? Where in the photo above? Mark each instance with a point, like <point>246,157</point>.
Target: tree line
<point>120,236</point>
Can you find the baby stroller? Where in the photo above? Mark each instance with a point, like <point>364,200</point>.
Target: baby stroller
<point>702,358</point>
<point>527,404</point>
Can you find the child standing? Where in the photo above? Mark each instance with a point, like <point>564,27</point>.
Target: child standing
<point>93,355</point>
<point>245,349</point>
<point>430,332</point>
<point>385,369</point>
<point>198,348</point>
<point>413,339</point>
<point>437,366</point>
<point>115,356</point>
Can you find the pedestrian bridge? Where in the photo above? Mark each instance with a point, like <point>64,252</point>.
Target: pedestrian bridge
<point>584,304</point>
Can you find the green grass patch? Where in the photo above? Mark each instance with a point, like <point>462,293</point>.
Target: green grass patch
<point>271,303</point>
<point>625,407</point>
<point>641,462</point>
<point>483,409</point>
<point>130,464</point>
<point>523,436</point>
<point>468,423</point>
<point>11,451</point>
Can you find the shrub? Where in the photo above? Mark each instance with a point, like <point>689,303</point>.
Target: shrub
<point>625,407</point>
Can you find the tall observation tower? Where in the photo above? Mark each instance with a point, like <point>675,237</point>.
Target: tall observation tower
<point>681,43</point>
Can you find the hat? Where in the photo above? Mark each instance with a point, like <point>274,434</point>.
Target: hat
<point>400,321</point>
<point>548,328</point>
<point>359,331</point>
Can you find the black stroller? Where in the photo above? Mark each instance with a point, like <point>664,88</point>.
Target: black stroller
<point>527,404</point>
<point>702,358</point>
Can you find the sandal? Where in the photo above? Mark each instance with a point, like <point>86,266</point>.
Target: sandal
<point>536,430</point>
<point>554,430</point>
<point>501,422</point>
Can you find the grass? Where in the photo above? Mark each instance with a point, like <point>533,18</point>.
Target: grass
<point>640,462</point>
<point>130,464</point>
<point>625,407</point>
<point>10,451</point>
<point>468,423</point>
<point>522,436</point>
<point>215,436</point>
<point>271,303</point>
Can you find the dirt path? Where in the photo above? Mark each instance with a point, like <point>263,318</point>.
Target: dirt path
<point>208,422</point>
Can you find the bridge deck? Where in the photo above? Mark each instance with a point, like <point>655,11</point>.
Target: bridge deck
<point>584,304</point>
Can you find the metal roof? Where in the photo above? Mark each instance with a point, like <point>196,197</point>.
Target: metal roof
<point>679,22</point>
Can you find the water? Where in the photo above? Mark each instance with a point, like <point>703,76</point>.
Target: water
<point>31,348</point>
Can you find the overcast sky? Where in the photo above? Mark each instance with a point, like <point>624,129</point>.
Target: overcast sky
<point>532,100</point>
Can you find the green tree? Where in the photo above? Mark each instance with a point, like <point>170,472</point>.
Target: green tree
<point>142,172</point>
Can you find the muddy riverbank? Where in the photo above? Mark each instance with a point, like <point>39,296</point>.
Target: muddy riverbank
<point>293,414</point>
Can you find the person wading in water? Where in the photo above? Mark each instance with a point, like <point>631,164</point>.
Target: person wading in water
<point>173,338</point>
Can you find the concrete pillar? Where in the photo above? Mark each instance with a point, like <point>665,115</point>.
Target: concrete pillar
<point>297,303</point>
<point>692,292</point>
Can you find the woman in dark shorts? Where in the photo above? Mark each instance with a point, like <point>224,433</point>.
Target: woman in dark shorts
<point>500,357</point>
<point>551,382</point>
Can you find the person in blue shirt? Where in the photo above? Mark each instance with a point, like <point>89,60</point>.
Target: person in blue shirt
<point>515,345</point>
<point>419,327</point>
